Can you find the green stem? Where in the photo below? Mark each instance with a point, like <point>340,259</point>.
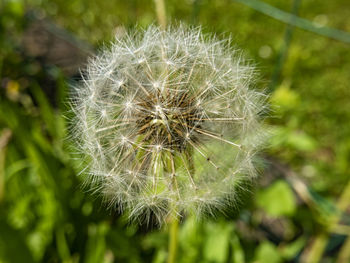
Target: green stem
<point>294,20</point>
<point>161,14</point>
<point>173,238</point>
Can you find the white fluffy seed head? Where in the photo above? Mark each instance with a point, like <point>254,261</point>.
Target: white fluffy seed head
<point>168,121</point>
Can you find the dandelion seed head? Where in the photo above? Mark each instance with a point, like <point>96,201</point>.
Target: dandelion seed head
<point>168,119</point>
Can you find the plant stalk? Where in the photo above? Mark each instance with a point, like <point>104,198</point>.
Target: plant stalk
<point>173,237</point>
<point>161,14</point>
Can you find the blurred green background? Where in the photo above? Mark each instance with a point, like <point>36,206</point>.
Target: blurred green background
<point>296,211</point>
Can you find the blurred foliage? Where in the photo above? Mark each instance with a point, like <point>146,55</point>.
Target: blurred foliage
<point>295,213</point>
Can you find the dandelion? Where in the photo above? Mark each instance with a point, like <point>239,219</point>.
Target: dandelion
<point>168,122</point>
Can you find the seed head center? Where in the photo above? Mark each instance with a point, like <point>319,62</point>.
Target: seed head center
<point>168,119</point>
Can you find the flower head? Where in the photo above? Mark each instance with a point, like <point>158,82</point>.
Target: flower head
<point>168,121</point>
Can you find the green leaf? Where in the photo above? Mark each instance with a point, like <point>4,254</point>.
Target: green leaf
<point>294,139</point>
<point>267,252</point>
<point>238,252</point>
<point>217,242</point>
<point>291,250</point>
<point>15,8</point>
<point>47,112</point>
<point>96,244</point>
<point>301,141</point>
<point>191,239</point>
<point>12,245</point>
<point>277,200</point>
<point>284,97</point>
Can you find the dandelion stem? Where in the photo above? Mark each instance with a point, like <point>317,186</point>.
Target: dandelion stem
<point>161,14</point>
<point>173,224</point>
<point>173,237</point>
